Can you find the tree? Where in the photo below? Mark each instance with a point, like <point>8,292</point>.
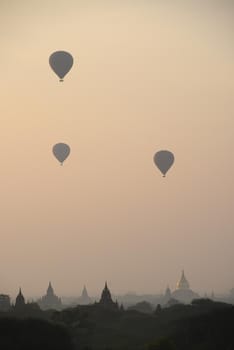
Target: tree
<point>158,309</point>
<point>162,344</point>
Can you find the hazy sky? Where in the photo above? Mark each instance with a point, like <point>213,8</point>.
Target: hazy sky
<point>147,75</point>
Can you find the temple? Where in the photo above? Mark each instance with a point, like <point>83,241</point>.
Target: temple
<point>106,299</point>
<point>5,303</point>
<point>23,309</point>
<point>50,300</point>
<point>167,295</point>
<point>84,299</point>
<point>182,283</point>
<point>20,301</point>
<point>183,293</point>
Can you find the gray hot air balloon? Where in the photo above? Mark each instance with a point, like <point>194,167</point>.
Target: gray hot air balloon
<point>61,62</point>
<point>164,160</point>
<point>61,151</point>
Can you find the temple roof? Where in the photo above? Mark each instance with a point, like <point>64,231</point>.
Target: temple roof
<point>20,299</point>
<point>182,283</point>
<point>84,293</point>
<point>106,295</point>
<point>50,290</point>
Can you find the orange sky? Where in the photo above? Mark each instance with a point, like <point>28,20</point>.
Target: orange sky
<point>146,76</point>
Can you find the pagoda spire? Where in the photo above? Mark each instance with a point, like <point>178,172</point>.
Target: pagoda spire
<point>106,295</point>
<point>182,283</point>
<point>50,290</point>
<point>20,301</point>
<point>106,299</point>
<point>84,292</point>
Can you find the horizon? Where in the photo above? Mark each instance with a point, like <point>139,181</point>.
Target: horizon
<point>97,294</point>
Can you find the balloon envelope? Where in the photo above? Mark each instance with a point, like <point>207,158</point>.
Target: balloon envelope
<point>61,62</point>
<point>61,151</point>
<point>164,160</point>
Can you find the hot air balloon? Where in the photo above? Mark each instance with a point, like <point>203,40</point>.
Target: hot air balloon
<point>61,62</point>
<point>164,160</point>
<point>61,151</point>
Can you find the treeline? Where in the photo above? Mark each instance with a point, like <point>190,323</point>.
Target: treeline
<point>212,331</point>
<point>203,325</point>
<point>32,334</point>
